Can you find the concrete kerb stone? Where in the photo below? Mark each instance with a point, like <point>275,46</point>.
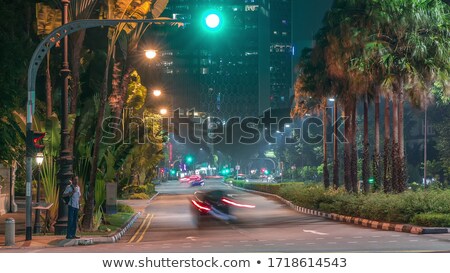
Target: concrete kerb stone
<point>356,220</point>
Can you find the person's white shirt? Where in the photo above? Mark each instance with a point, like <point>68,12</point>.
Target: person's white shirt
<point>75,198</point>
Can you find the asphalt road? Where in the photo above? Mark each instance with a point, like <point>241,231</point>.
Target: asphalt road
<point>167,226</point>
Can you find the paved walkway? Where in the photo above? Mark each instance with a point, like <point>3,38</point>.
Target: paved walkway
<point>41,240</point>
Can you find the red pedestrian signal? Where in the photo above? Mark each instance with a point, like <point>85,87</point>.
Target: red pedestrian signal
<point>37,141</point>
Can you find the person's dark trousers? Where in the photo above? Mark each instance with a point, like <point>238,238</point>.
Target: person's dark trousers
<point>72,222</point>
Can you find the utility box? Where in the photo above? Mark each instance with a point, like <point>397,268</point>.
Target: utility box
<point>111,198</point>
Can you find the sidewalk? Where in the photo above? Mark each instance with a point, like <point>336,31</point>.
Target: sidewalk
<point>41,240</point>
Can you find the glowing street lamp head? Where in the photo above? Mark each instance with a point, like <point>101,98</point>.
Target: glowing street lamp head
<point>163,111</point>
<point>150,54</point>
<point>156,92</point>
<point>212,20</point>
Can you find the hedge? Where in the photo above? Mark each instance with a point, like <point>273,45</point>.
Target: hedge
<point>425,208</point>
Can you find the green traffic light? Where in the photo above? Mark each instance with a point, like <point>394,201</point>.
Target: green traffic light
<point>212,20</point>
<point>172,172</point>
<point>189,159</point>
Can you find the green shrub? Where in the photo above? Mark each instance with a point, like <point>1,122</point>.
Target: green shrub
<point>141,196</point>
<point>432,220</point>
<point>124,208</point>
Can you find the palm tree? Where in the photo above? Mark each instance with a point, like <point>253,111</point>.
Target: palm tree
<point>365,170</point>
<point>116,9</point>
<point>48,18</point>
<point>78,10</point>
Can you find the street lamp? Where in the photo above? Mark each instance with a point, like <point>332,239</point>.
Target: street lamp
<point>37,216</point>
<point>156,92</point>
<point>150,54</point>
<point>163,111</point>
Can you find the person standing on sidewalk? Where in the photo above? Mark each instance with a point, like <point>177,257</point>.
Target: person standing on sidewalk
<point>73,190</point>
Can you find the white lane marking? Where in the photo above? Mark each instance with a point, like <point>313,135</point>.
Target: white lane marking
<point>248,245</point>
<point>413,240</point>
<point>300,239</point>
<point>314,232</point>
<point>289,244</point>
<point>432,240</point>
<point>338,238</point>
<point>320,238</point>
<point>227,245</point>
<point>395,235</point>
<point>206,246</point>
<point>243,241</point>
<point>357,237</point>
<point>192,238</point>
<point>310,243</point>
<point>373,241</point>
<point>332,243</point>
<point>268,244</point>
<point>281,239</point>
<point>167,244</point>
<point>352,242</point>
<point>394,241</point>
<point>225,241</point>
<point>376,236</point>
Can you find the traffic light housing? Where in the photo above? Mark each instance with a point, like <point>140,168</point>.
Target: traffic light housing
<point>34,143</point>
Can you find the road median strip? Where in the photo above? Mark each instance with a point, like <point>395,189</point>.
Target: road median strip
<point>355,220</point>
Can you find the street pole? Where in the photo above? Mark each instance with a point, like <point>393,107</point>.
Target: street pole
<point>335,148</point>
<point>37,216</point>
<point>425,149</point>
<point>65,171</point>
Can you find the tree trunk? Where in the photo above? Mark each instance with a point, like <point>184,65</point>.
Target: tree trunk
<point>347,181</point>
<point>387,179</point>
<point>402,177</point>
<point>88,218</point>
<point>77,46</point>
<point>365,168</point>
<point>326,175</point>
<point>354,155</point>
<point>376,154</point>
<point>48,88</point>
<point>395,148</point>
<point>335,149</point>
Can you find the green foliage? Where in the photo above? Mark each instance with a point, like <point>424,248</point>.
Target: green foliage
<point>140,196</point>
<point>124,208</point>
<point>396,208</point>
<point>50,185</point>
<point>131,190</point>
<point>432,220</point>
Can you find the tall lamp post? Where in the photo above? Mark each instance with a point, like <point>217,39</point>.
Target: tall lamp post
<point>65,171</point>
<point>37,216</point>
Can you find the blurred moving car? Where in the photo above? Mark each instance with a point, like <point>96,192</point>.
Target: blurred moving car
<point>190,178</point>
<point>196,180</point>
<point>215,204</point>
<point>241,177</point>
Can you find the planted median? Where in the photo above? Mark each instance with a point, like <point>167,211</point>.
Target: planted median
<point>428,208</point>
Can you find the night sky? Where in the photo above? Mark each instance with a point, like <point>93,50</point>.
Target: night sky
<point>308,15</point>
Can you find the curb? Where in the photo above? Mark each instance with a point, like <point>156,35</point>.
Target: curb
<point>107,239</point>
<point>355,220</point>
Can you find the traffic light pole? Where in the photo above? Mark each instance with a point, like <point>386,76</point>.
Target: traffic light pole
<point>38,56</point>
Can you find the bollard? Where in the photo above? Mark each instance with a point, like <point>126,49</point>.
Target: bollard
<point>10,232</point>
